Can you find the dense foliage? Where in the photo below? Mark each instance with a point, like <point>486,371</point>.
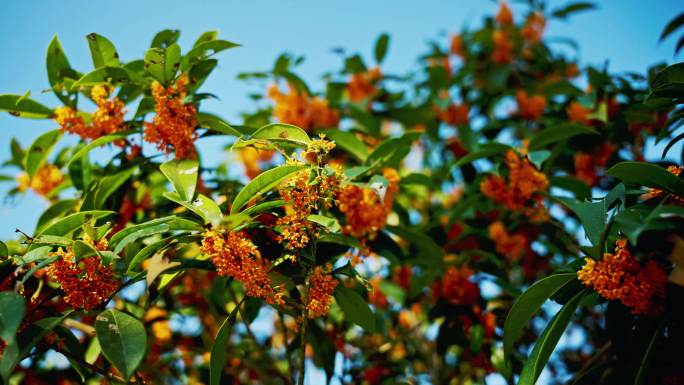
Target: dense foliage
<point>388,228</point>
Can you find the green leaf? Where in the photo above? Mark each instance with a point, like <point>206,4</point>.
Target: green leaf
<point>22,107</point>
<point>4,252</point>
<point>669,83</point>
<point>591,214</point>
<point>12,310</point>
<point>163,63</point>
<point>380,49</point>
<point>203,206</point>
<point>264,206</point>
<point>429,252</point>
<point>203,50</point>
<point>558,133</point>
<point>39,151</point>
<point>647,174</point>
<point>547,341</point>
<point>485,151</point>
<point>183,175</point>
<point>125,234</point>
<point>639,218</point>
<point>206,36</point>
<point>527,304</point>
<point>102,51</point>
<point>538,157</point>
<point>72,222</point>
<point>15,352</point>
<point>108,75</point>
<point>564,12</point>
<point>348,142</point>
<point>390,152</point>
<point>355,308</point>
<point>58,68</point>
<point>417,179</point>
<point>331,224</point>
<point>123,340</point>
<point>84,250</point>
<point>165,38</point>
<point>110,183</point>
<point>263,183</point>
<point>279,132</point>
<point>672,26</point>
<point>572,184</point>
<point>97,143</point>
<point>218,350</point>
<point>217,124</point>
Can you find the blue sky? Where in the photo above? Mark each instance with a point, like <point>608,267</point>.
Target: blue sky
<point>624,31</point>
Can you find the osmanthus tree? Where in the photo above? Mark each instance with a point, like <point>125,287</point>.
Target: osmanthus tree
<point>392,228</point>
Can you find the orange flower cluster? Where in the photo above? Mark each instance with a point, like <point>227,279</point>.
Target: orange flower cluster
<point>503,47</point>
<point>107,119</point>
<point>365,211</point>
<point>173,126</point>
<point>521,192</point>
<point>512,245</point>
<point>587,166</point>
<point>234,255</point>
<point>577,113</point>
<point>304,196</point>
<point>620,277</point>
<point>299,109</point>
<point>321,287</point>
<point>533,30</point>
<point>504,16</point>
<point>86,283</point>
<point>456,288</point>
<point>530,107</point>
<point>455,114</point>
<point>47,179</point>
<point>456,46</point>
<point>363,85</point>
<point>656,192</point>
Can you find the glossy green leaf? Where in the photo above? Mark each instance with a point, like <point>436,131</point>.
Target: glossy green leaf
<point>355,308</point>
<point>348,142</point>
<point>484,151</point>
<point>558,133</point>
<point>124,234</point>
<point>528,304</point>
<point>217,124</point>
<point>263,183</point>
<point>102,51</point>
<point>217,359</point>
<point>110,183</point>
<point>547,341</point>
<point>22,107</point>
<point>165,38</point>
<point>279,132</point>
<point>648,174</point>
<point>183,175</point>
<point>331,224</point>
<point>108,75</point>
<point>39,151</point>
<point>58,69</point>
<point>205,49</point>
<point>122,338</point>
<point>97,143</point>
<point>592,214</point>
<point>163,63</point>
<point>12,310</point>
<point>203,206</point>
<point>72,222</point>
